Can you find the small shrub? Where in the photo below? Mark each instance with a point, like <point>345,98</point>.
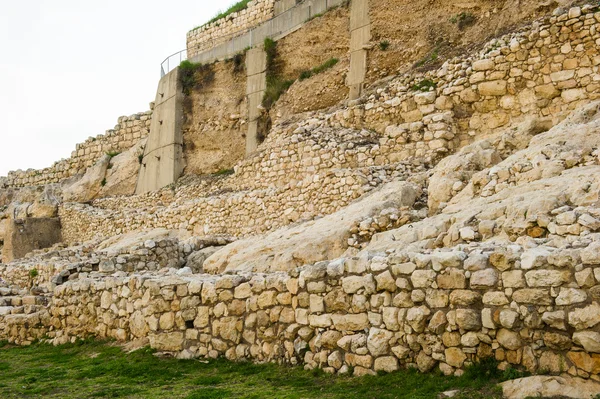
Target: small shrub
<point>484,370</point>
<point>464,20</point>
<point>112,154</point>
<point>140,158</point>
<point>511,373</point>
<point>384,45</point>
<point>195,76</point>
<point>33,273</point>
<point>424,85</point>
<point>103,182</point>
<point>238,62</point>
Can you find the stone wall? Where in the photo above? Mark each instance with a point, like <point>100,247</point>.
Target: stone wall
<point>375,312</point>
<point>545,71</point>
<point>128,131</point>
<point>315,166</point>
<point>211,34</point>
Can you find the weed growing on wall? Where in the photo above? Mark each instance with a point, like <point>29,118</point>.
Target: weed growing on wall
<point>113,154</point>
<point>276,84</point>
<point>330,63</point>
<point>384,45</point>
<point>195,76</point>
<point>424,85</point>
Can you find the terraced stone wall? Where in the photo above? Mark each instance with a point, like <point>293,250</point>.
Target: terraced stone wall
<point>235,24</point>
<point>128,131</point>
<point>378,312</point>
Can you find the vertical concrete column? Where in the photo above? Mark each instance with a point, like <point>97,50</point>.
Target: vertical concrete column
<point>162,163</point>
<point>256,67</point>
<point>360,35</point>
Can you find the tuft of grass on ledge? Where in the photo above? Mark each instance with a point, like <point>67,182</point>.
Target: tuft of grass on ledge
<point>101,370</point>
<point>330,63</point>
<point>239,6</point>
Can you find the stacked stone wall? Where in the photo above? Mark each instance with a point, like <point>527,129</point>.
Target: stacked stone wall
<point>235,24</point>
<point>376,312</point>
<point>128,131</point>
<point>239,214</point>
<point>318,165</point>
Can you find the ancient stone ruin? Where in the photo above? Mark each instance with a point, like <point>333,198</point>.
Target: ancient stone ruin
<point>402,206</point>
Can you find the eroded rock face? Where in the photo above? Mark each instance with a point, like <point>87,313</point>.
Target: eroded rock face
<point>309,242</point>
<point>546,386</point>
<point>121,175</point>
<point>89,186</point>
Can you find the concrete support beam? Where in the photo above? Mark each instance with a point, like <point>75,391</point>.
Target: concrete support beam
<point>256,67</point>
<point>163,163</point>
<point>24,236</point>
<point>282,6</point>
<point>360,35</point>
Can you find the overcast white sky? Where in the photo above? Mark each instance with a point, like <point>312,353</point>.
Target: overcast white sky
<point>70,68</point>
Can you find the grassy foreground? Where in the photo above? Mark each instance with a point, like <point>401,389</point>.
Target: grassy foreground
<point>100,370</point>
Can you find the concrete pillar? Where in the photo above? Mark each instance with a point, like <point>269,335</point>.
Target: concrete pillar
<point>360,35</point>
<point>256,67</point>
<point>163,163</point>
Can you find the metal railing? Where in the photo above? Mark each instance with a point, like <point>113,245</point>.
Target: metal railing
<point>172,62</point>
<point>248,37</point>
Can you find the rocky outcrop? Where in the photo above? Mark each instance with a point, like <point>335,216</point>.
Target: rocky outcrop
<point>122,172</point>
<point>310,242</point>
<point>89,186</point>
<point>547,387</point>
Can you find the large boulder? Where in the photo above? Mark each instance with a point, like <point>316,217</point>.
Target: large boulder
<point>88,187</point>
<point>550,387</point>
<point>122,174</point>
<point>309,242</point>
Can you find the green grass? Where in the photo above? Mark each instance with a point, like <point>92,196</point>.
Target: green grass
<point>276,84</point>
<point>239,6</point>
<point>330,63</point>
<point>99,370</point>
<point>424,85</point>
<point>195,76</point>
<point>113,154</point>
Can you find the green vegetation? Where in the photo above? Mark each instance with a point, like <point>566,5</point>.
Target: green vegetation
<point>238,62</point>
<point>88,370</point>
<point>140,158</point>
<point>430,58</point>
<point>224,172</point>
<point>239,6</point>
<point>424,85</point>
<point>113,154</point>
<point>315,16</point>
<point>195,76</point>
<point>384,45</point>
<point>33,273</point>
<point>464,20</point>
<point>103,182</point>
<point>330,63</point>
<point>276,85</point>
